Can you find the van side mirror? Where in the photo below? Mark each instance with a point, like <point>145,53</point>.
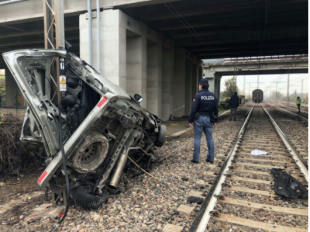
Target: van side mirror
<point>138,98</point>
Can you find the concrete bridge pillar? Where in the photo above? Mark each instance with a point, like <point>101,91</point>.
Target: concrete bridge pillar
<point>200,71</point>
<point>143,61</point>
<point>195,79</point>
<point>12,90</point>
<point>179,82</point>
<point>167,85</point>
<point>113,45</point>
<point>188,87</point>
<point>154,79</point>
<point>214,80</point>
<point>136,69</point>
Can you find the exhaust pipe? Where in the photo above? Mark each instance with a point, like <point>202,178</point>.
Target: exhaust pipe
<point>117,173</point>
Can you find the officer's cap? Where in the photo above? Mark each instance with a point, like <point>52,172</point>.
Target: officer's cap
<point>203,81</point>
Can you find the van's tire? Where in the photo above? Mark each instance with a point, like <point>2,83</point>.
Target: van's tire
<point>87,200</point>
<point>160,141</point>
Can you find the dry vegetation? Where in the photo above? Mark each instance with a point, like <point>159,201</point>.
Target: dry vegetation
<point>13,154</point>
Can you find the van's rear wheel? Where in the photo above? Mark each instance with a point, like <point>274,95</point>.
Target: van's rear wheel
<point>91,153</point>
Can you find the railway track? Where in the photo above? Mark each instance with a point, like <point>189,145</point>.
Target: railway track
<point>292,106</point>
<point>303,115</point>
<point>197,179</point>
<point>242,197</point>
<point>295,129</point>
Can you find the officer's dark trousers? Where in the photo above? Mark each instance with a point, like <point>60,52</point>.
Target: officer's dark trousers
<point>203,124</point>
<point>298,106</point>
<point>235,112</point>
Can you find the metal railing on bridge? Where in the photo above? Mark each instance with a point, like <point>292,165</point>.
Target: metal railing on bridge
<point>267,58</point>
<point>4,2</point>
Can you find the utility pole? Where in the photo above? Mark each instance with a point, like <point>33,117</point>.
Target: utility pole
<point>288,88</point>
<point>244,85</point>
<point>54,22</point>
<point>249,89</point>
<point>270,92</point>
<point>235,83</point>
<point>98,37</point>
<point>276,91</point>
<point>257,87</point>
<point>90,33</point>
<point>302,85</point>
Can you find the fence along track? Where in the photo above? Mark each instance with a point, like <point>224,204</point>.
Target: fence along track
<point>247,177</point>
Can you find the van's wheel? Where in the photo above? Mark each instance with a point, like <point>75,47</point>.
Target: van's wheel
<point>160,141</point>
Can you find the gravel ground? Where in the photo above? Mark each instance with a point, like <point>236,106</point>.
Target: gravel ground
<point>143,204</point>
<point>259,135</point>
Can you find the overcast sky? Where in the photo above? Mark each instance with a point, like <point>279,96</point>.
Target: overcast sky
<point>269,80</point>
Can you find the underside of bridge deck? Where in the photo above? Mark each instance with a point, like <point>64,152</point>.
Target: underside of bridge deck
<point>208,29</point>
<point>224,28</point>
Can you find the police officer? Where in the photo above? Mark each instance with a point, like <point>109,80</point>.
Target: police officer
<point>204,105</point>
<point>234,103</point>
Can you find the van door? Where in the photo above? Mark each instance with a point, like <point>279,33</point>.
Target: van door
<point>32,73</point>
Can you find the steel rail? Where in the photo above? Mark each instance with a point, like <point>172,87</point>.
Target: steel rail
<point>296,156</point>
<point>203,216</point>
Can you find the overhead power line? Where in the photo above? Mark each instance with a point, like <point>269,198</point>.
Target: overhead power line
<point>179,16</point>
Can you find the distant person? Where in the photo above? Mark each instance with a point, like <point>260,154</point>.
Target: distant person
<point>298,102</point>
<point>204,105</point>
<point>234,103</point>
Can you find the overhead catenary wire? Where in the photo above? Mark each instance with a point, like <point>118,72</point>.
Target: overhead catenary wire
<point>262,41</point>
<point>186,23</point>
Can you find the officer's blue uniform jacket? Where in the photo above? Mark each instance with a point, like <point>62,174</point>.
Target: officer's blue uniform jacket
<point>205,104</point>
<point>234,101</point>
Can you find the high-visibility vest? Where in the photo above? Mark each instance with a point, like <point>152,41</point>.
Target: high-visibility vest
<point>298,101</point>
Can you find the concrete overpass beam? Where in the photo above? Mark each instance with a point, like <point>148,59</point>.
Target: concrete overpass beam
<point>154,78</point>
<point>167,85</point>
